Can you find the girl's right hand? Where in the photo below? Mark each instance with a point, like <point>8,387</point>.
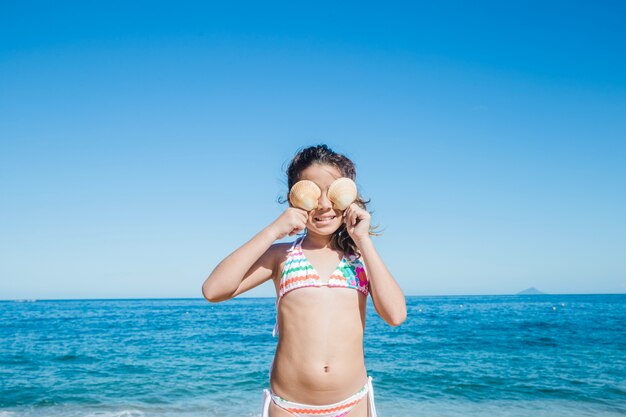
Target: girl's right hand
<point>290,222</point>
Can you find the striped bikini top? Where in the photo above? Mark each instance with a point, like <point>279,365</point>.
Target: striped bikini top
<point>299,273</point>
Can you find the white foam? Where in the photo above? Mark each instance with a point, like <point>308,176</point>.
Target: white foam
<point>118,413</point>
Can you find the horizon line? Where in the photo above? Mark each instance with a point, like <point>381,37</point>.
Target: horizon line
<point>269,297</point>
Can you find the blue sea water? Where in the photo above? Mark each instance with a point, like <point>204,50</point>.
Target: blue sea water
<point>539,355</point>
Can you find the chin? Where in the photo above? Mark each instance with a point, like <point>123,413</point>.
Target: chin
<point>324,232</point>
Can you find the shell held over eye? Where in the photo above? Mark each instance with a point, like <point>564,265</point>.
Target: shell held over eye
<point>342,192</point>
<point>305,195</point>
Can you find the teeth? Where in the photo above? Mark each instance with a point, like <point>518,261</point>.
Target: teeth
<point>319,219</point>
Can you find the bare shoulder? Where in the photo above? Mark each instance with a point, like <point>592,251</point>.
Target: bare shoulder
<point>279,252</point>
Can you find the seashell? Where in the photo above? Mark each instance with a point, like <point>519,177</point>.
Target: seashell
<point>342,192</point>
<point>305,195</point>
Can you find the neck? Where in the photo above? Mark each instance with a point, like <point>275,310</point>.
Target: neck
<point>317,241</point>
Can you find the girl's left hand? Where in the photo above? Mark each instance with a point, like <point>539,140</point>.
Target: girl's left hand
<point>357,222</point>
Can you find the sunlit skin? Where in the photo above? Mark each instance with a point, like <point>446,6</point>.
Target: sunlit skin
<point>319,356</point>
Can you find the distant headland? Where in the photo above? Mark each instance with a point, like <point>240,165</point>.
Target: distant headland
<point>530,291</point>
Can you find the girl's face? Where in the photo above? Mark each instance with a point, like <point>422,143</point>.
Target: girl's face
<point>323,220</point>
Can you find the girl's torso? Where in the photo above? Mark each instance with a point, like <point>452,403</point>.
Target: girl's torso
<point>321,320</point>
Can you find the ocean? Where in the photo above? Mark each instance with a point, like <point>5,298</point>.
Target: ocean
<point>513,356</point>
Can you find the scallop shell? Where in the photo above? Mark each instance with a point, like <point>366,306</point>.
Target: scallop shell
<point>305,195</point>
<point>342,192</point>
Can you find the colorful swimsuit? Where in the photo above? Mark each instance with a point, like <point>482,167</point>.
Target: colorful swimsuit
<point>299,273</point>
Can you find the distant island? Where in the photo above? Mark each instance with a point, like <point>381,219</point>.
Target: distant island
<point>530,291</point>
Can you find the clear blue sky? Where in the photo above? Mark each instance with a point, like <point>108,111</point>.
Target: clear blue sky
<point>143,142</point>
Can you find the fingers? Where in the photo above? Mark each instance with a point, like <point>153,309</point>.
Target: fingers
<point>301,212</point>
<point>297,228</point>
<point>304,217</point>
<point>350,216</point>
<point>353,214</point>
<point>346,216</point>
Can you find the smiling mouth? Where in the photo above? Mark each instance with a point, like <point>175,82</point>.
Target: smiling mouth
<point>324,219</point>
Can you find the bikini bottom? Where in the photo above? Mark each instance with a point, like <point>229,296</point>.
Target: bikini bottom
<point>338,409</point>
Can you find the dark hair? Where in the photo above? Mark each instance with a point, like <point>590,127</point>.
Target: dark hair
<point>323,155</point>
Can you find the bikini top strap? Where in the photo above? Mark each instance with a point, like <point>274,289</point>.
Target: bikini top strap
<point>302,239</point>
<point>296,243</point>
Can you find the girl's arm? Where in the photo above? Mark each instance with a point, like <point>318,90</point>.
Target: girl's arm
<point>387,296</point>
<point>254,262</point>
<point>247,267</point>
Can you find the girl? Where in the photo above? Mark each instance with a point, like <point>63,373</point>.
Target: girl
<point>318,368</point>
